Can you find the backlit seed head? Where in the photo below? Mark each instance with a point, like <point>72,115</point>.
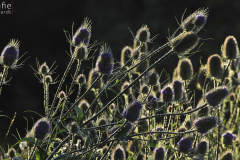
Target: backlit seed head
<point>167,94</point>
<point>232,97</point>
<point>93,75</point>
<point>153,77</point>
<point>84,105</point>
<point>228,138</point>
<point>185,144</point>
<point>135,53</point>
<point>80,52</point>
<point>227,156</point>
<point>143,34</point>
<point>215,66</point>
<point>72,127</point>
<point>125,56</point>
<point>12,152</point>
<point>159,153</point>
<point>118,154</point>
<point>216,96</point>
<point>112,107</point>
<point>184,42</point>
<point>144,89</point>
<point>141,68</point>
<point>83,34</point>
<point>156,88</point>
<point>204,111</point>
<point>202,147</point>
<point>41,128</point>
<point>101,122</point>
<point>105,63</point>
<point>125,84</point>
<point>152,102</point>
<point>178,89</point>
<point>10,53</point>
<point>144,48</point>
<point>132,113</point>
<point>62,95</point>
<point>230,48</point>
<point>44,69</point>
<point>204,124</point>
<point>48,79</point>
<point>185,69</point>
<point>81,78</point>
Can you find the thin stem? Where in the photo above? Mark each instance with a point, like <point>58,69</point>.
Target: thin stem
<point>3,77</point>
<point>33,150</point>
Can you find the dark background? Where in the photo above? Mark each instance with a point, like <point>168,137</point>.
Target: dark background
<point>38,25</point>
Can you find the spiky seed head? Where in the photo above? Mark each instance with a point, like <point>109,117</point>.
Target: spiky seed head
<point>204,111</point>
<point>228,138</point>
<point>152,102</point>
<point>143,34</point>
<point>178,89</point>
<point>125,85</point>
<point>184,42</point>
<point>202,147</point>
<point>200,19</point>
<point>142,126</point>
<point>135,53</point>
<point>83,34</point>
<point>185,69</point>
<point>101,122</point>
<point>153,77</point>
<point>62,95</point>
<point>41,128</point>
<point>80,52</point>
<point>215,96</point>
<point>112,106</point>
<point>125,56</point>
<point>118,154</point>
<point>132,113</point>
<point>144,89</point>
<point>72,127</point>
<point>48,79</point>
<point>105,63</point>
<point>159,153</point>
<point>93,75</point>
<point>92,134</point>
<point>232,97</point>
<point>204,124</point>
<point>12,152</point>
<point>83,105</point>
<point>167,93</point>
<point>230,48</point>
<point>215,66</point>
<point>81,78</point>
<point>10,53</point>
<point>185,144</point>
<point>44,69</point>
<point>227,156</point>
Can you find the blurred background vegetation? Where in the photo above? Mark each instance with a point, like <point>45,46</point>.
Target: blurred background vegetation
<point>38,25</point>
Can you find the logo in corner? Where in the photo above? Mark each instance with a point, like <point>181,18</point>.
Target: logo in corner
<point>6,8</point>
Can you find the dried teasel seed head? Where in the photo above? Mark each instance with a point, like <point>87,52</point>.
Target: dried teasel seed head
<point>230,48</point>
<point>81,78</point>
<point>41,128</point>
<point>48,79</point>
<point>185,144</point>
<point>178,89</point>
<point>132,113</point>
<point>202,147</point>
<point>12,152</point>
<point>216,96</point>
<point>125,85</point>
<point>62,95</point>
<point>228,138</point>
<point>118,154</point>
<point>93,75</point>
<point>185,69</point>
<point>215,66</point>
<point>44,69</point>
<point>167,94</point>
<point>204,124</point>
<point>153,77</point>
<point>125,56</point>
<point>80,52</point>
<point>143,34</point>
<point>227,156</point>
<point>159,153</point>
<point>72,127</point>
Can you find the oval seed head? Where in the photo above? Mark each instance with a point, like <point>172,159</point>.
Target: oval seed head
<point>125,84</point>
<point>230,48</point>
<point>84,105</point>
<point>105,60</point>
<point>184,42</point>
<point>12,152</point>
<point>93,75</point>
<point>227,156</point>
<point>44,69</point>
<point>228,138</point>
<point>204,124</point>
<point>135,53</point>
<point>112,107</point>
<point>125,56</point>
<point>80,52</point>
<point>48,79</point>
<point>143,34</point>
<point>153,77</point>
<point>202,147</point>
<point>232,97</point>
<point>152,102</point>
<point>132,113</point>
<point>141,68</point>
<point>144,89</point>
<point>62,95</point>
<point>81,78</point>
<point>142,126</point>
<point>72,127</point>
<point>216,96</point>
<point>178,89</point>
<point>167,94</point>
<point>215,66</point>
<point>83,34</point>
<point>156,88</point>
<point>101,122</point>
<point>10,53</point>
<point>158,153</point>
<point>185,69</point>
<point>41,128</point>
<point>178,138</point>
<point>185,144</point>
<point>118,154</point>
